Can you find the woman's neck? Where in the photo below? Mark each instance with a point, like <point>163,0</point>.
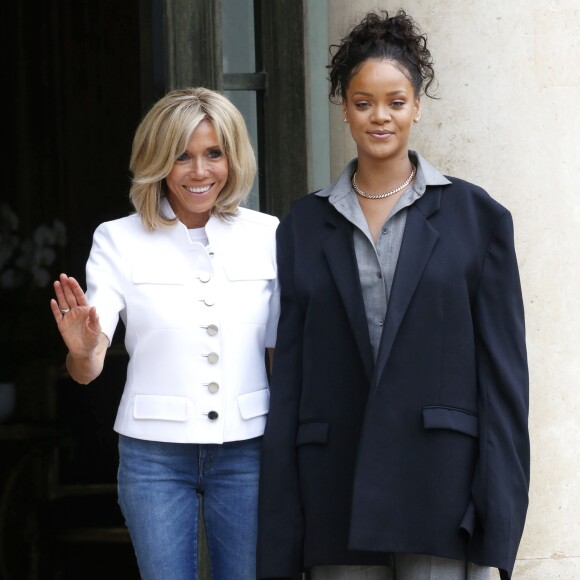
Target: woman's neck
<point>378,176</point>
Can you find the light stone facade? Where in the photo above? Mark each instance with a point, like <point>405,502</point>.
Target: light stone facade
<point>509,120</point>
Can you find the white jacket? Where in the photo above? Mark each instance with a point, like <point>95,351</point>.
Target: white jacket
<point>198,320</point>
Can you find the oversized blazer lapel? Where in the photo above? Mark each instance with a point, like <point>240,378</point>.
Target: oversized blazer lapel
<point>338,247</point>
<point>418,242</point>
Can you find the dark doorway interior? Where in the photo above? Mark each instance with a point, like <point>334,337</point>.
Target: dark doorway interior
<point>72,84</point>
<point>74,103</point>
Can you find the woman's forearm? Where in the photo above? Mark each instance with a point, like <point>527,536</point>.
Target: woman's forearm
<point>84,368</point>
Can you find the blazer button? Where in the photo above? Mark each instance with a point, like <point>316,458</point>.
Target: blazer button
<point>212,358</point>
<point>212,329</point>
<point>212,415</point>
<point>213,388</point>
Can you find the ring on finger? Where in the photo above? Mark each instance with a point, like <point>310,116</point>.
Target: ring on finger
<point>64,310</point>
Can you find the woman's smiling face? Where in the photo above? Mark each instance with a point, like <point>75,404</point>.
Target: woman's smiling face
<point>197,177</point>
<point>380,107</point>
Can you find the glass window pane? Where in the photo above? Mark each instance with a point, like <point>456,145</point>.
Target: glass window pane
<point>245,101</point>
<point>238,36</point>
<point>317,94</point>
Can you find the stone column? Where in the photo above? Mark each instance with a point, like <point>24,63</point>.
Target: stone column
<point>509,120</point>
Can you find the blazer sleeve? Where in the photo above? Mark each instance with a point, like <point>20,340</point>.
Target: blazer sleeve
<point>104,274</point>
<point>500,487</point>
<point>280,529</point>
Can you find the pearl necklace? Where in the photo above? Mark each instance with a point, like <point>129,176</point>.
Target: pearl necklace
<point>387,193</point>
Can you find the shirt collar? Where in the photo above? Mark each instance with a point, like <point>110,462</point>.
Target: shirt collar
<point>427,175</point>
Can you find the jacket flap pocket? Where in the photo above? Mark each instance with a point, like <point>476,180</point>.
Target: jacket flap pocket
<point>313,432</point>
<point>162,408</point>
<point>450,418</point>
<point>254,404</point>
<point>156,273</point>
<point>239,268</point>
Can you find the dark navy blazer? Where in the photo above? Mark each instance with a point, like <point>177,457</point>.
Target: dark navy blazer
<point>426,451</point>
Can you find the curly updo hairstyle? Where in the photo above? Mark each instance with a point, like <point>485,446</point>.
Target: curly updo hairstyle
<point>380,36</point>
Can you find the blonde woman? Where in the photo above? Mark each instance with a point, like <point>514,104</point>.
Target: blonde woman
<point>192,275</point>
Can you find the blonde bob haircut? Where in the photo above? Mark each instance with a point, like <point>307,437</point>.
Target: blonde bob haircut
<point>163,135</point>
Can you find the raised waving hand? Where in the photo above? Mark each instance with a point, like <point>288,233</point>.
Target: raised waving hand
<point>78,324</point>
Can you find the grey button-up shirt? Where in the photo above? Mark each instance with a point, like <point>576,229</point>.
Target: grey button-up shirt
<point>377,261</point>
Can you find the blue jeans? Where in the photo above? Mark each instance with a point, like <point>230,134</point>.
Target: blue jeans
<point>159,485</point>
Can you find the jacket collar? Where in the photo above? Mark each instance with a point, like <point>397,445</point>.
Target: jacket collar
<point>418,242</point>
<point>340,255</point>
<point>213,227</point>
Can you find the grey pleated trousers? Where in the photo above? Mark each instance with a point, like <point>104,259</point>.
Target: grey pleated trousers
<point>407,567</point>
